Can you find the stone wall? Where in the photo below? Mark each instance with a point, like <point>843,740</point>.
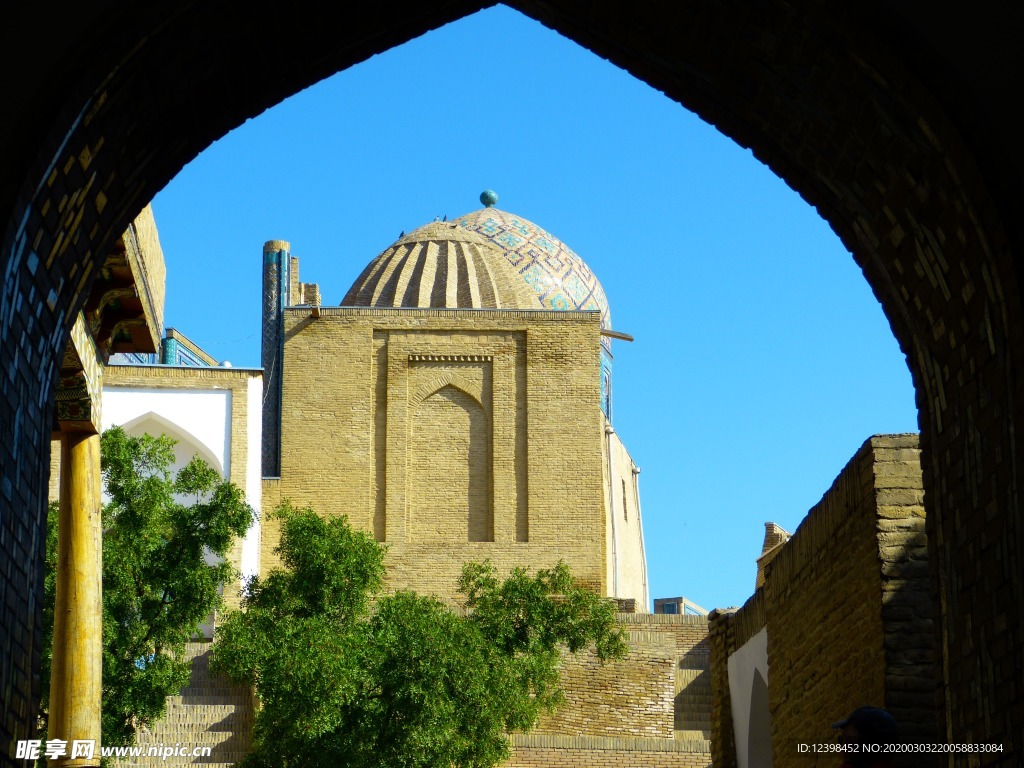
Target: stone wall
<point>847,609</point>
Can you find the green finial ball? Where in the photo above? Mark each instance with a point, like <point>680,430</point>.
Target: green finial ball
<point>488,197</point>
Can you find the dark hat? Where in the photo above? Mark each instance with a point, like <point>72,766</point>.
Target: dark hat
<point>872,723</point>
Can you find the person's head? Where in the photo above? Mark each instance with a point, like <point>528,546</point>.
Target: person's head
<point>868,726</point>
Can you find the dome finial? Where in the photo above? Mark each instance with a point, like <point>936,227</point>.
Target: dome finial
<point>489,197</point>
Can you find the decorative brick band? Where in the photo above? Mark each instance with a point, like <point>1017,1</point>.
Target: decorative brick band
<point>662,618</point>
<point>545,314</point>
<point>451,358</point>
<point>610,743</point>
<point>165,374</point>
<point>651,638</point>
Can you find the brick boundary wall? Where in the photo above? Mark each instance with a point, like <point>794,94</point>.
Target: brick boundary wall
<point>721,640</point>
<point>912,681</point>
<point>848,610</point>
<point>729,629</point>
<point>822,605</point>
<point>636,697</point>
<point>623,698</point>
<point>530,751</point>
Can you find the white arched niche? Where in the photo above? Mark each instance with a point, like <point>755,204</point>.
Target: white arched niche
<point>199,417</point>
<point>748,692</point>
<point>186,445</point>
<point>198,421</point>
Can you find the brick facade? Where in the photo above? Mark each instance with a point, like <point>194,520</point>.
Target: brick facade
<point>374,394</point>
<point>639,696</point>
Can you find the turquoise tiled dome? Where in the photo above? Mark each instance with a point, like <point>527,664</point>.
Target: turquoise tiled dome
<point>560,278</point>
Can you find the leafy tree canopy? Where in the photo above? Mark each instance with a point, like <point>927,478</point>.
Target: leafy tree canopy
<point>350,677</point>
<point>157,585</point>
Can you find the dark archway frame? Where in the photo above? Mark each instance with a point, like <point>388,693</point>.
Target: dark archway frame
<point>127,95</point>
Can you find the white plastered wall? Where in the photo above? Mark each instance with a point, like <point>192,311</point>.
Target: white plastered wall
<point>627,560</point>
<point>748,673</point>
<point>250,564</point>
<point>200,420</point>
<point>202,415</point>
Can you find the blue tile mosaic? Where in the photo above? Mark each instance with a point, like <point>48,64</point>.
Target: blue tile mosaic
<point>559,277</point>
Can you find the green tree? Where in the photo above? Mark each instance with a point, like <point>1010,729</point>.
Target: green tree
<point>349,677</point>
<point>157,585</point>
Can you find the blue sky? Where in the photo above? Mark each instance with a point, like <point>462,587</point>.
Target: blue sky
<point>762,360</point>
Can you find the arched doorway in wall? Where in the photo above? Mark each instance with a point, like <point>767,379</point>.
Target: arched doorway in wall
<point>871,150</point>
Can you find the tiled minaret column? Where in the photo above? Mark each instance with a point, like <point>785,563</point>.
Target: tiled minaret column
<point>77,674</point>
<point>276,282</point>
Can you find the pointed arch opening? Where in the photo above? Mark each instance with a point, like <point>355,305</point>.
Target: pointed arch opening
<point>186,444</point>
<point>450,469</point>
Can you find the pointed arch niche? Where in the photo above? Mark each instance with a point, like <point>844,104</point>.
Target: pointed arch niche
<point>198,419</point>
<point>449,472</point>
<point>748,687</point>
<point>186,444</point>
<point>449,425</point>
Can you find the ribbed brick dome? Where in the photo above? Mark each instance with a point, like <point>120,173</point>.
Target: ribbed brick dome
<point>441,265</point>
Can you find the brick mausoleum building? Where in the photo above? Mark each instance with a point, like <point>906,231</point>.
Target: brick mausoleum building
<point>457,405</point>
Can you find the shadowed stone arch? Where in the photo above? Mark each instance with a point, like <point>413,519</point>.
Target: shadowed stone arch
<point>894,122</point>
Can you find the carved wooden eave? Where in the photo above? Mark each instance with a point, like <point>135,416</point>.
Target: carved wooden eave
<point>123,313</point>
<point>120,310</point>
<point>80,385</point>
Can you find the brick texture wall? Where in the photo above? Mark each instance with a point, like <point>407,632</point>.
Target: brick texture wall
<point>592,752</point>
<point>728,629</point>
<point>634,697</point>
<point>373,400</point>
<point>449,467</point>
<point>616,714</point>
<point>626,713</point>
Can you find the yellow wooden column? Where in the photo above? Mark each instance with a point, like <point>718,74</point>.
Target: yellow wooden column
<point>77,672</point>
